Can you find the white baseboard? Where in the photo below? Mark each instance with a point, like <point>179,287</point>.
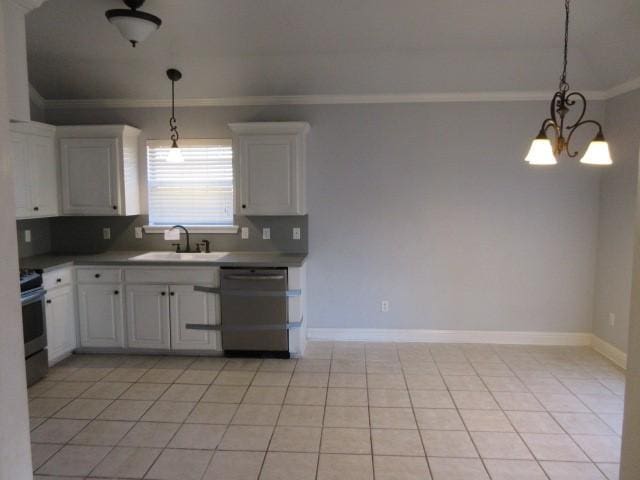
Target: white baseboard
<point>449,336</point>
<point>614,354</point>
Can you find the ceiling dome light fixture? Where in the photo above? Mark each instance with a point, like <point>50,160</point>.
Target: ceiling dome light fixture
<point>133,25</point>
<point>175,154</point>
<point>543,151</point>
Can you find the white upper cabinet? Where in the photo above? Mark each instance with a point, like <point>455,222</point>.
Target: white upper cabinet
<point>99,166</point>
<point>35,170</point>
<point>269,167</point>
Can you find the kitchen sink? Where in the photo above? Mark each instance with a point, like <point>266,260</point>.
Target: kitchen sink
<point>179,257</point>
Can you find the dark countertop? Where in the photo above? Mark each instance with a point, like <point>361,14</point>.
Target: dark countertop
<point>50,262</point>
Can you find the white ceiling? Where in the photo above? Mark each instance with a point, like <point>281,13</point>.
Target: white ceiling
<point>292,47</point>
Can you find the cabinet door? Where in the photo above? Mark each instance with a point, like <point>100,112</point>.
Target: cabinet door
<point>61,322</point>
<point>100,309</point>
<point>89,176</point>
<point>268,175</point>
<point>148,317</point>
<point>21,175</point>
<point>188,306</point>
<point>44,175</point>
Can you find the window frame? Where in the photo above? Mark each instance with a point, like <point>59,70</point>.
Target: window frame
<point>164,143</point>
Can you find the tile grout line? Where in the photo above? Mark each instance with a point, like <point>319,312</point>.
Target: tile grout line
<point>413,410</point>
<point>535,459</point>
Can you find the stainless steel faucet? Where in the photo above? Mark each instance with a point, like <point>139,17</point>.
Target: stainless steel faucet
<point>177,245</point>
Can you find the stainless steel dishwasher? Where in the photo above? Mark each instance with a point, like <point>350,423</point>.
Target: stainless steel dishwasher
<point>253,310</point>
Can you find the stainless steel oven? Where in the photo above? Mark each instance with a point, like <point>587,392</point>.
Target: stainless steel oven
<point>34,325</point>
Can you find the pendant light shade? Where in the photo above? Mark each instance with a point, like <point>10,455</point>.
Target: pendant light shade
<point>598,152</point>
<point>133,25</point>
<point>541,151</point>
<point>175,154</point>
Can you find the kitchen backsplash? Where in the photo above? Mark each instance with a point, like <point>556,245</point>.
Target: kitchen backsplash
<point>40,233</point>
<point>67,235</point>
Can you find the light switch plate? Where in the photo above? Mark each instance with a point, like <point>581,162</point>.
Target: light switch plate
<point>138,232</point>
<point>244,233</point>
<point>106,233</point>
<point>266,233</point>
<point>384,306</point>
<point>296,233</point>
<point>27,236</point>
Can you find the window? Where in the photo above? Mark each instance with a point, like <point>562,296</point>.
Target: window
<point>197,192</point>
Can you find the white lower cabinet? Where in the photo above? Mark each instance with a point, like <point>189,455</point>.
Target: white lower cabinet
<point>61,322</point>
<point>101,315</point>
<point>148,317</point>
<point>157,316</point>
<point>188,306</point>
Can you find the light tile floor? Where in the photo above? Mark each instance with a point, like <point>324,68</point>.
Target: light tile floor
<point>345,411</point>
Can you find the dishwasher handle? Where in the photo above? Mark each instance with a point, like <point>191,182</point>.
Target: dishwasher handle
<point>253,276</point>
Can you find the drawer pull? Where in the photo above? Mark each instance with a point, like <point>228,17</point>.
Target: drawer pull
<point>163,293</point>
<point>48,301</point>
<point>116,292</point>
<point>58,280</point>
<point>97,275</point>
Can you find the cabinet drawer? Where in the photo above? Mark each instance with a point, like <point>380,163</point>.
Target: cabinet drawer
<point>57,278</point>
<point>174,276</point>
<point>99,275</point>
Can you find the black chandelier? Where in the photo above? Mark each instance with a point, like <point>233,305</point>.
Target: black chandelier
<point>543,151</point>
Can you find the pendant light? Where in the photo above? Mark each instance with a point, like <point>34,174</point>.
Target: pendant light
<point>133,24</point>
<point>545,150</point>
<point>175,154</point>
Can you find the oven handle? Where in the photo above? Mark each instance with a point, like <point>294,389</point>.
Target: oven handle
<point>33,297</point>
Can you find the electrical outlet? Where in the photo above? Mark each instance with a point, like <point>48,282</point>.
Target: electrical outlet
<point>612,319</point>
<point>384,306</point>
<point>106,233</point>
<point>266,233</point>
<point>296,233</point>
<point>138,232</point>
<point>27,236</point>
<point>244,233</point>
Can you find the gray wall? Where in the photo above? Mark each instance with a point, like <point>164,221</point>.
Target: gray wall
<point>431,207</point>
<point>617,209</point>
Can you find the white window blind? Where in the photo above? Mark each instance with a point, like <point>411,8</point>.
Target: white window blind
<point>196,192</point>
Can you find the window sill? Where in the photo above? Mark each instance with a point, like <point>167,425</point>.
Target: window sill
<point>230,229</point>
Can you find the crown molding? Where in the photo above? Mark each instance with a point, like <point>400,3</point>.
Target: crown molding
<point>626,87</point>
<point>267,100</point>
<point>36,98</point>
<point>312,100</point>
<point>27,5</point>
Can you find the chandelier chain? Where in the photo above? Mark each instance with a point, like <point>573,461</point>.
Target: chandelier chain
<point>172,121</point>
<point>563,78</point>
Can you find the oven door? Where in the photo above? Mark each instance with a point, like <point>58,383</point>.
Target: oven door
<point>33,322</point>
